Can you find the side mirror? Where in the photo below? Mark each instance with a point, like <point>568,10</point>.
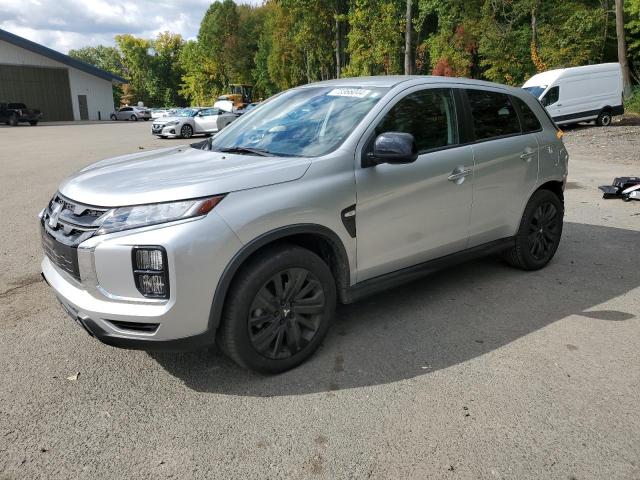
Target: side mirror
<point>394,148</point>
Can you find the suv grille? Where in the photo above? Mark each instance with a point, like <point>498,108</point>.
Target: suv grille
<point>64,225</point>
<point>75,221</point>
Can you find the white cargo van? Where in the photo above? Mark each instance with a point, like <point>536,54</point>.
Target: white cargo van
<point>580,94</point>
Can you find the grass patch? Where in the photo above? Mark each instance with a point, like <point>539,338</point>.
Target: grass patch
<point>632,104</point>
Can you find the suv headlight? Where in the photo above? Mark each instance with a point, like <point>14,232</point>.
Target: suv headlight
<point>136,216</point>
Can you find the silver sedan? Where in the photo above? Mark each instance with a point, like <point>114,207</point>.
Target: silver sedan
<point>131,113</point>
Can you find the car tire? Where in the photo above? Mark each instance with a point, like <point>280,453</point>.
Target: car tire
<point>134,118</point>
<point>146,119</point>
<point>33,123</point>
<point>186,131</point>
<point>604,119</point>
<point>278,309</point>
<point>538,236</point>
<point>113,118</point>
<point>13,121</point>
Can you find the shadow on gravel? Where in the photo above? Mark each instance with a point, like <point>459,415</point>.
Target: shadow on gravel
<point>442,320</point>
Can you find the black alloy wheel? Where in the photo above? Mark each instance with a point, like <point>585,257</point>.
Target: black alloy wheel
<point>278,309</point>
<point>543,230</point>
<point>539,233</point>
<point>286,313</point>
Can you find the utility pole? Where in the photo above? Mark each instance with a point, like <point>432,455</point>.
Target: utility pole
<point>622,48</point>
<point>408,60</point>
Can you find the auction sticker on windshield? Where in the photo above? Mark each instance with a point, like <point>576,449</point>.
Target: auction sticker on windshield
<point>349,92</point>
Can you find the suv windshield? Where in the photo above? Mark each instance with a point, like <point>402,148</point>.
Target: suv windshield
<point>306,122</point>
<point>536,91</point>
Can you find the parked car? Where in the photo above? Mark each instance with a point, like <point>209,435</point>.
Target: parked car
<point>326,193</point>
<point>159,112</point>
<point>225,118</point>
<point>132,113</point>
<point>187,122</point>
<point>579,94</point>
<point>15,113</point>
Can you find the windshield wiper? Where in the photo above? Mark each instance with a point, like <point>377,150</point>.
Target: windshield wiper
<point>255,151</point>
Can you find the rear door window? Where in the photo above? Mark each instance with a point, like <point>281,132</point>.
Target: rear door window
<point>428,115</point>
<point>493,114</point>
<point>528,119</point>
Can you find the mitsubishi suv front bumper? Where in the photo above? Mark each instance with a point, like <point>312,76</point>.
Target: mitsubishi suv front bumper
<point>96,279</point>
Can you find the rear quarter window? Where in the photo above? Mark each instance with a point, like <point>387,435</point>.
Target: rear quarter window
<point>528,119</point>
<point>493,114</point>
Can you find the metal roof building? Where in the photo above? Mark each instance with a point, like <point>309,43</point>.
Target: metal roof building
<point>62,87</point>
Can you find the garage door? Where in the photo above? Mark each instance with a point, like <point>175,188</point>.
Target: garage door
<point>38,87</point>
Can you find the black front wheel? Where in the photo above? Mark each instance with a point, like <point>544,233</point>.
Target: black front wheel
<point>186,131</point>
<point>33,123</point>
<point>13,121</point>
<point>540,231</point>
<point>278,310</point>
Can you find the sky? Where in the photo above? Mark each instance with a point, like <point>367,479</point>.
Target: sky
<point>66,24</point>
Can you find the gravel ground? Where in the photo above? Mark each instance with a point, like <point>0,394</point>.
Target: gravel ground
<point>480,371</point>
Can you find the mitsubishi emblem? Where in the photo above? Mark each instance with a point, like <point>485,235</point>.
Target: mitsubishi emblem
<point>53,218</point>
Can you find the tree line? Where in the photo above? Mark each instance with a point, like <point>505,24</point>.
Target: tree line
<point>284,43</point>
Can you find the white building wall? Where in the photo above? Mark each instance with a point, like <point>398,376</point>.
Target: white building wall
<point>98,91</point>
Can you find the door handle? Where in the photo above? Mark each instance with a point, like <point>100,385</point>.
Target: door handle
<point>527,155</point>
<point>459,174</point>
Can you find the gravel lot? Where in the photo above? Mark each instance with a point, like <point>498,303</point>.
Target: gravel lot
<point>476,372</point>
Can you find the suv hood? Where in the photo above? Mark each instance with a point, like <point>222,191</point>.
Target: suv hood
<point>176,173</point>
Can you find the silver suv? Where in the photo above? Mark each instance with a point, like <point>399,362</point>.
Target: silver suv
<point>326,193</point>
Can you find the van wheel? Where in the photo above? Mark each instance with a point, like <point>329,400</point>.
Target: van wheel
<point>604,119</point>
<point>278,309</point>
<point>539,234</point>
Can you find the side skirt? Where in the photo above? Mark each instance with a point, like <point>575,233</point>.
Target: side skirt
<point>393,279</point>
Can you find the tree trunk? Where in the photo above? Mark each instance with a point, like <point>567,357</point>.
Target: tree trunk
<point>622,48</point>
<point>535,55</point>
<point>408,61</point>
<point>338,46</point>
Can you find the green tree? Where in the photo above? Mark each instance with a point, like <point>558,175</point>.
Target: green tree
<point>376,37</point>
<point>136,62</point>
<point>166,70</point>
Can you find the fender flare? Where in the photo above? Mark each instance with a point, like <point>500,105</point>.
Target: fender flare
<point>271,236</point>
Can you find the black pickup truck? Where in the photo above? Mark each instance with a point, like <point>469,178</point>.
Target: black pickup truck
<point>14,113</point>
